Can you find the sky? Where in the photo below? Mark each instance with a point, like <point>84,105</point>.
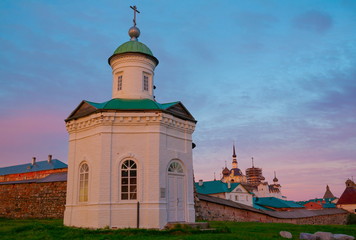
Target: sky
<point>276,77</point>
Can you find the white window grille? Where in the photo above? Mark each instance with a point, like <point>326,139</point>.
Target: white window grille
<point>129,180</point>
<point>83,182</point>
<point>145,83</point>
<point>119,82</point>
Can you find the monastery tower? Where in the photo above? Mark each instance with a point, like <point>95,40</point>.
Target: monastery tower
<point>235,174</point>
<point>130,158</point>
<point>254,175</point>
<point>253,180</point>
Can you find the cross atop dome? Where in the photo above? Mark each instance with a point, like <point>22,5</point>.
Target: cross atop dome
<point>134,32</point>
<point>134,8</point>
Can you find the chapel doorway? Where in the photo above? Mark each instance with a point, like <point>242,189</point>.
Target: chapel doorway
<point>176,193</point>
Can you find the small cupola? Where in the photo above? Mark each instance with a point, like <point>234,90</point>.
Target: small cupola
<point>225,171</point>
<point>133,65</point>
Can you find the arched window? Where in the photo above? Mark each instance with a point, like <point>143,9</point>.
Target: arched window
<point>175,167</point>
<point>83,182</point>
<point>128,180</point>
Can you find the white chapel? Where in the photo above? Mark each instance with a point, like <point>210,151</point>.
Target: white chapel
<point>130,158</point>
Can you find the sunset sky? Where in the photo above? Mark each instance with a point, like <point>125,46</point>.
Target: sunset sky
<point>278,78</point>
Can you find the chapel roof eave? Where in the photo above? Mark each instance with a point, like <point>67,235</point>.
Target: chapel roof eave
<point>153,58</point>
<point>87,108</point>
<point>131,110</point>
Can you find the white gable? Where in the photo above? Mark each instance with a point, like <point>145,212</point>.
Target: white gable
<point>240,189</point>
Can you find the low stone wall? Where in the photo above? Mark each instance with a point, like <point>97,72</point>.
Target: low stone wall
<point>208,210</point>
<point>335,219</point>
<point>33,200</point>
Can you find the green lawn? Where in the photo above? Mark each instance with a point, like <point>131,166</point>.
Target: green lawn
<point>54,229</point>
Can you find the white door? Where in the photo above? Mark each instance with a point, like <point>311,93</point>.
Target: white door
<point>176,199</point>
<point>180,199</point>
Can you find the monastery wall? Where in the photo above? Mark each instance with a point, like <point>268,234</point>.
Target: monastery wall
<point>47,200</point>
<point>208,211</point>
<point>33,200</point>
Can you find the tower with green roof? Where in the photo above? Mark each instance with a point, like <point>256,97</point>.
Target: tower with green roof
<point>133,66</point>
<point>130,158</point>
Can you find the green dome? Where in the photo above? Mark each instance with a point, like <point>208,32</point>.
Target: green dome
<point>133,46</point>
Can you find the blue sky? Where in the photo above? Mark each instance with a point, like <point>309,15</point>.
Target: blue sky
<point>276,77</point>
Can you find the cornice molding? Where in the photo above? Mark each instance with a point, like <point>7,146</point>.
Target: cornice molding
<point>124,59</point>
<point>129,119</point>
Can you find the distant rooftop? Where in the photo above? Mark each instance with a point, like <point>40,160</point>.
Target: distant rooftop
<point>211,187</point>
<point>329,205</point>
<point>348,196</point>
<point>54,177</point>
<point>276,203</point>
<point>316,200</point>
<point>38,166</point>
<point>328,193</point>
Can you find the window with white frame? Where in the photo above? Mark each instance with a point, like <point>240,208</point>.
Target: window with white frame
<point>129,180</point>
<point>83,182</point>
<point>119,82</point>
<point>145,82</point>
<point>175,167</point>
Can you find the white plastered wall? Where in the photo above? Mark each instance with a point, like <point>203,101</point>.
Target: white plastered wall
<point>132,68</point>
<point>104,141</point>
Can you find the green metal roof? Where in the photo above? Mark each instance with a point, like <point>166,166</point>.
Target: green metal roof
<point>211,187</point>
<point>261,207</point>
<point>133,46</point>
<point>86,108</point>
<point>276,203</point>
<point>131,104</point>
<point>327,200</point>
<point>329,205</point>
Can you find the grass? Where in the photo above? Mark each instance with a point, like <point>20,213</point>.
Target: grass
<point>54,229</point>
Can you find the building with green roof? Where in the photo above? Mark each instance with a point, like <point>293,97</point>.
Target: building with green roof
<point>231,191</point>
<point>130,157</point>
